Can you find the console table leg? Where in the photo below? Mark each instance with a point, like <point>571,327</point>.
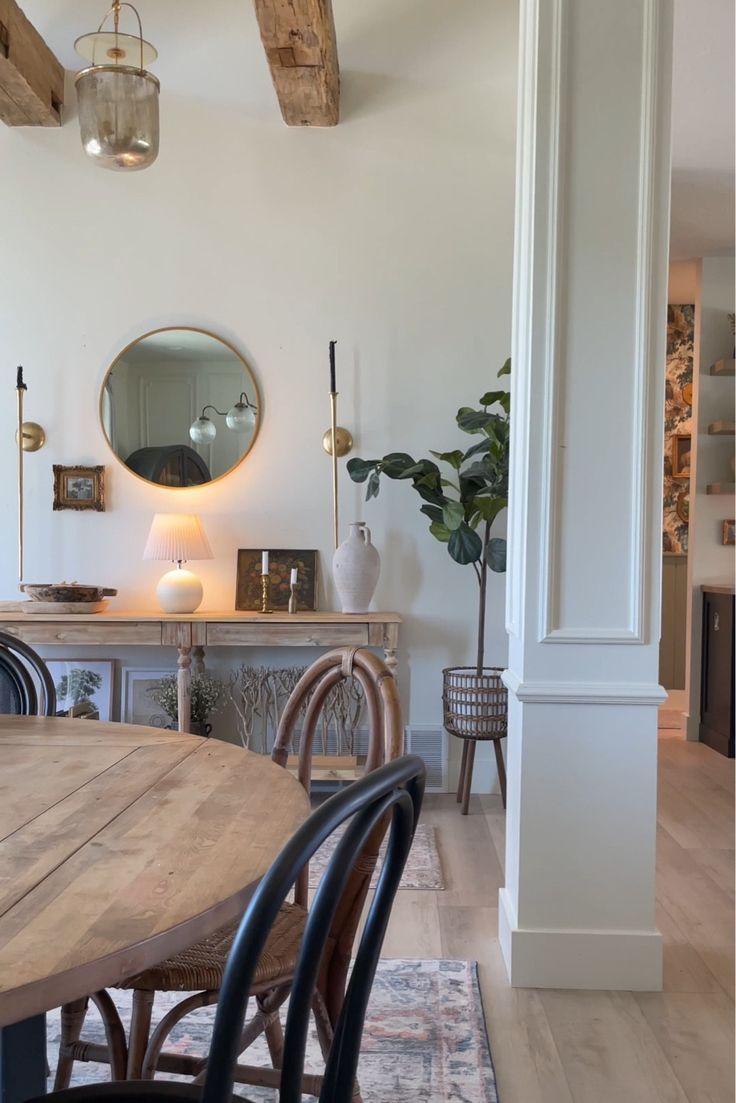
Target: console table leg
<point>197,660</point>
<point>183,685</point>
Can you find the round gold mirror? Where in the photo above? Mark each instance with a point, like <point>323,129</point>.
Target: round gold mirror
<point>180,407</point>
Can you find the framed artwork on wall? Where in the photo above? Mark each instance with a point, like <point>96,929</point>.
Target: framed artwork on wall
<point>83,687</point>
<point>281,562</point>
<point>728,535</point>
<point>79,487</point>
<point>137,706</point>
<point>681,456</point>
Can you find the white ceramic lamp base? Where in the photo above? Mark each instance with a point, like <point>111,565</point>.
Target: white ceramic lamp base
<point>179,591</point>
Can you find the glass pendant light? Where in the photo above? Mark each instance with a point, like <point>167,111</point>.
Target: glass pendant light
<point>203,431</point>
<point>242,416</point>
<point>118,99</point>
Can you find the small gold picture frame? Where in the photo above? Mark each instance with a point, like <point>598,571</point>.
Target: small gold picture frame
<point>681,456</point>
<point>79,487</point>
<point>728,535</point>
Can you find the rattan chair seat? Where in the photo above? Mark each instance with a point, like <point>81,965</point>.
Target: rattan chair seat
<point>201,967</point>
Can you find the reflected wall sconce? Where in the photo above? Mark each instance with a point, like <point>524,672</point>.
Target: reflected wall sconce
<point>118,98</point>
<point>240,418</point>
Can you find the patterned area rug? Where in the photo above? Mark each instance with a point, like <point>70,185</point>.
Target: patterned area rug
<point>423,868</point>
<point>425,1038</point>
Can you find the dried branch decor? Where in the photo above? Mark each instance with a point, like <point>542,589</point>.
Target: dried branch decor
<point>259,695</point>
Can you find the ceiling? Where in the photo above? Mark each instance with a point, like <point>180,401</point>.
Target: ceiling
<point>703,129</point>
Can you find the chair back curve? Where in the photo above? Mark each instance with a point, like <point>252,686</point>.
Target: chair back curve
<point>394,791</point>
<point>385,741</point>
<point>22,674</point>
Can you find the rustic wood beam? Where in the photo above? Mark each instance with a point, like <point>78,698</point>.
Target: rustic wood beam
<point>299,39</point>
<point>31,78</point>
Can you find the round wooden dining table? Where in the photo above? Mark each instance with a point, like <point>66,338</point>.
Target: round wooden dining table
<point>119,845</point>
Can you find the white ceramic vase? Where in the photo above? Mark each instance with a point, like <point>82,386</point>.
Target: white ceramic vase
<point>356,566</point>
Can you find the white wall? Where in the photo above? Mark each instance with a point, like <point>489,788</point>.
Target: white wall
<point>710,560</point>
<point>391,233</point>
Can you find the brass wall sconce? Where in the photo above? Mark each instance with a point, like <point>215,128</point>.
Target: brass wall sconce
<point>337,442</point>
<point>29,437</point>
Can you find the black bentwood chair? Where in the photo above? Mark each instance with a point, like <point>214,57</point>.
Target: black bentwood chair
<point>394,792</point>
<point>22,674</point>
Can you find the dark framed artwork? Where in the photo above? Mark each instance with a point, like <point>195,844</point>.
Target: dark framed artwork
<point>281,562</point>
<point>79,487</point>
<point>728,533</point>
<point>681,456</point>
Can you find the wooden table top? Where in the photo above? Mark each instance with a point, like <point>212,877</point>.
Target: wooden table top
<point>120,845</point>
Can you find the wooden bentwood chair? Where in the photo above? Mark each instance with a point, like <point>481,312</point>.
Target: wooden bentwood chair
<point>22,674</point>
<point>394,792</point>
<point>200,969</point>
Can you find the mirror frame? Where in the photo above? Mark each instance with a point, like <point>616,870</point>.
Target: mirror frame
<point>247,367</point>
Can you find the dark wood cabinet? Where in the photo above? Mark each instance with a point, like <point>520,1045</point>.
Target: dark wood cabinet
<point>717,678</point>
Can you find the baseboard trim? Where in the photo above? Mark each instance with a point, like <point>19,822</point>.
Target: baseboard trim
<point>629,961</point>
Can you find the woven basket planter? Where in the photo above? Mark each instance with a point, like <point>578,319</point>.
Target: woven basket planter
<point>474,706</point>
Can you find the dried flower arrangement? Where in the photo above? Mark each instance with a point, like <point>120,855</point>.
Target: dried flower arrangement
<point>206,696</point>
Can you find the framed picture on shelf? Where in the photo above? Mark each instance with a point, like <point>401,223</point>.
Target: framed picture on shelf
<point>79,487</point>
<point>281,562</point>
<point>728,535</point>
<point>681,456</point>
<point>137,705</point>
<point>83,687</point>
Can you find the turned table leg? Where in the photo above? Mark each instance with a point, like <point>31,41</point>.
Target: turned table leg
<point>183,685</point>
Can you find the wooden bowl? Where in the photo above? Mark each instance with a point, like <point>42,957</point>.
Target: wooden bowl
<point>65,591</point>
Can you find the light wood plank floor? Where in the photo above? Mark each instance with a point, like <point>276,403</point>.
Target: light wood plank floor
<point>601,1047</point>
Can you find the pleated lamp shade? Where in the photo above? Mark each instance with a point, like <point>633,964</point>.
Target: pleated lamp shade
<point>177,537</point>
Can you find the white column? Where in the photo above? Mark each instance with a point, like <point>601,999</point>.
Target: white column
<point>590,308</point>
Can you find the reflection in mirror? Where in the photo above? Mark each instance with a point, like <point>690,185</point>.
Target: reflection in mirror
<point>180,407</point>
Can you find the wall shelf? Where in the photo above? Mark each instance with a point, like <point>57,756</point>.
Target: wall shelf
<point>721,488</point>
<point>723,367</point>
<point>721,428</point>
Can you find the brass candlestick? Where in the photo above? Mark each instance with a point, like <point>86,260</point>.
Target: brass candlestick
<point>266,594</point>
<point>292,598</point>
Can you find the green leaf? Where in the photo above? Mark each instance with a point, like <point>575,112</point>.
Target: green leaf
<point>433,512</point>
<point>454,458</point>
<point>374,485</point>
<point>472,421</point>
<point>481,446</point>
<point>496,554</point>
<point>490,398</point>
<point>453,515</point>
<point>489,508</point>
<point>440,531</point>
<point>396,464</point>
<point>464,545</point>
<point>506,369</point>
<point>359,470</point>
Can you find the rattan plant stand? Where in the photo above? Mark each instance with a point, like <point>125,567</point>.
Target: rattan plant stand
<point>475,709</point>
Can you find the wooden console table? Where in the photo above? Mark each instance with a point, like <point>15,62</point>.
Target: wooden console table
<point>191,634</point>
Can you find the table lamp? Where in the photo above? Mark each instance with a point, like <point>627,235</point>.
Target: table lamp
<point>178,538</point>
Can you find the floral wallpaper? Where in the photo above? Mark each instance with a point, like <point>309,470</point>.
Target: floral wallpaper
<point>677,427</point>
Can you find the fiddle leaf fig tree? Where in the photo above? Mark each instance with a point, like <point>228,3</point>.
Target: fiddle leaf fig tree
<point>463,502</point>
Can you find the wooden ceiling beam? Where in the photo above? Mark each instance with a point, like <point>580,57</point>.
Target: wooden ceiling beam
<point>31,78</point>
<point>299,39</point>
